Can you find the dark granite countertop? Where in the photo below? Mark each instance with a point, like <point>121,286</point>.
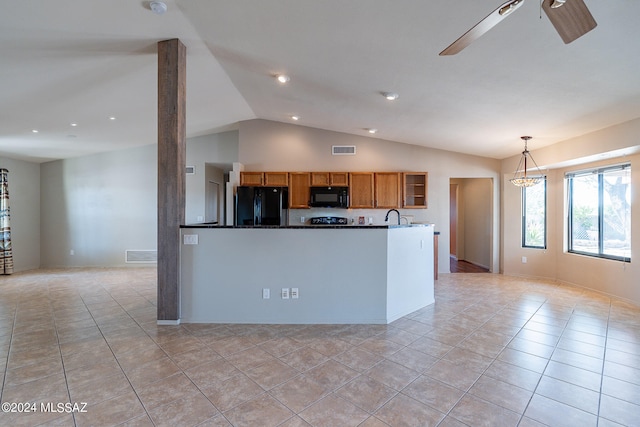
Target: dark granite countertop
<point>314,227</point>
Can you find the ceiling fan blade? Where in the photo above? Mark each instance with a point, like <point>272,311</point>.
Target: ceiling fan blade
<point>482,27</point>
<point>571,20</point>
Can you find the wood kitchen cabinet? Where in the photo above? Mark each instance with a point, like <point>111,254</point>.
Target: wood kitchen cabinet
<point>299,183</point>
<point>361,186</point>
<point>251,178</point>
<point>323,179</point>
<point>339,179</point>
<point>276,179</point>
<point>414,190</point>
<point>387,185</point>
<point>320,179</point>
<point>384,190</point>
<point>272,179</point>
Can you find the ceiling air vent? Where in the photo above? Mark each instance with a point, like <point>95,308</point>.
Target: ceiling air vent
<point>191,170</point>
<point>343,150</point>
<point>140,256</point>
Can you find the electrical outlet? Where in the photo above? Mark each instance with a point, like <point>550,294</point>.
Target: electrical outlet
<point>524,259</point>
<point>294,293</point>
<point>266,293</point>
<point>285,293</point>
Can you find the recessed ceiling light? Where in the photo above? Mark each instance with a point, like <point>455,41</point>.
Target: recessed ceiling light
<point>372,130</point>
<point>391,96</point>
<point>158,7</point>
<point>296,118</point>
<point>112,118</point>
<point>34,130</point>
<point>283,78</point>
<point>74,124</point>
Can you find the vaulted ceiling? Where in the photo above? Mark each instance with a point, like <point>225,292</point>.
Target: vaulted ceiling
<point>94,64</point>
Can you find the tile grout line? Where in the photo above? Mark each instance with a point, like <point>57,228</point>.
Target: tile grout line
<point>113,353</point>
<point>604,361</point>
<point>533,393</point>
<point>496,358</point>
<point>168,356</point>
<point>13,331</point>
<point>549,359</point>
<point>487,368</point>
<point>64,371</point>
<point>441,358</point>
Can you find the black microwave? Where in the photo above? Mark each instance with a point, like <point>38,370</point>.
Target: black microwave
<point>329,197</point>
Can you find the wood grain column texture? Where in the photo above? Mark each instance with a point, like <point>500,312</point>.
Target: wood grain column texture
<point>171,173</point>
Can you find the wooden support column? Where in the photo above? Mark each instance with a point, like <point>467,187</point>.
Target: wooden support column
<point>172,69</point>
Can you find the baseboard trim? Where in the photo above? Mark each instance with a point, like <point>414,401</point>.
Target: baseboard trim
<point>168,322</point>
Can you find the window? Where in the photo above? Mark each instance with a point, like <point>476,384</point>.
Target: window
<point>534,215</point>
<point>599,221</point>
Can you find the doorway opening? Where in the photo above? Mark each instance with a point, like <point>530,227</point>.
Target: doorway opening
<point>470,225</point>
<point>212,202</point>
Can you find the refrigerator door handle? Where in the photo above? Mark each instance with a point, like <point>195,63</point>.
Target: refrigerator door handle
<point>257,207</point>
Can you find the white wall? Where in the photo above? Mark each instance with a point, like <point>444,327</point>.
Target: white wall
<point>24,205</point>
<point>350,275</point>
<point>98,206</point>
<point>274,146</point>
<point>409,278</point>
<point>613,145</point>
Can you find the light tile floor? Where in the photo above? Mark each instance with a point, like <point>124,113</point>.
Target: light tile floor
<point>492,351</point>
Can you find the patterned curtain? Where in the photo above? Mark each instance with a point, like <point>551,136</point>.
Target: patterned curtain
<point>6,256</point>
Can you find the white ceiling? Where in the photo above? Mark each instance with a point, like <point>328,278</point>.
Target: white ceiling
<point>84,61</point>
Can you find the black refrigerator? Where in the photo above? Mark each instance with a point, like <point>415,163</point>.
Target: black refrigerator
<point>262,206</point>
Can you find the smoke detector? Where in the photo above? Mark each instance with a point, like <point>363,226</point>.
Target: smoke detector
<point>158,7</point>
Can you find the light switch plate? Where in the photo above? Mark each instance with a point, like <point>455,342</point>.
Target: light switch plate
<point>190,239</point>
<point>285,293</point>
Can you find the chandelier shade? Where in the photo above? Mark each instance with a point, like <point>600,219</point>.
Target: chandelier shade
<point>522,178</point>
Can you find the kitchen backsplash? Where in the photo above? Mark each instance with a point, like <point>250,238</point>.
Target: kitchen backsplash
<point>375,216</point>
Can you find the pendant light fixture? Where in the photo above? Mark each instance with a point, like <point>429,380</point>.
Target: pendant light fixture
<point>520,177</point>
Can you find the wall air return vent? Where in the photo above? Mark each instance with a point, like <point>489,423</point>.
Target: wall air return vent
<point>140,256</point>
<point>343,150</point>
<point>191,170</point>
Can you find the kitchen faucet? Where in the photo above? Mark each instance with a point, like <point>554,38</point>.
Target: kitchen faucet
<point>386,218</point>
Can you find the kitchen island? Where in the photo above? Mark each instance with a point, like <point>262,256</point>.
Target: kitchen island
<point>343,274</point>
